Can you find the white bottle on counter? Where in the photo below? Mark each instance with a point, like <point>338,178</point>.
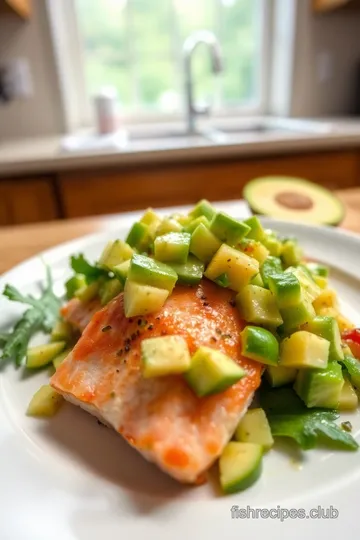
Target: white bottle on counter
<point>106,111</point>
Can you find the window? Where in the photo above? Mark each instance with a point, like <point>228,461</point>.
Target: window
<point>136,46</point>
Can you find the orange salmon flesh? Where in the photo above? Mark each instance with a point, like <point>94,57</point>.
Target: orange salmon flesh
<point>161,417</point>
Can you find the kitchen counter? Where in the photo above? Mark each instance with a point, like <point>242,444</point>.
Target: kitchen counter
<point>45,155</point>
<point>21,242</point>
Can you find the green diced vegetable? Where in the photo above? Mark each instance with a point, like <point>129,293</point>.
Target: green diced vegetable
<point>46,402</point>
<point>291,253</point>
<point>256,229</point>
<point>168,355</point>
<point>74,284</point>
<point>115,253</point>
<point>139,236</point>
<point>349,400</point>
<point>254,249</point>
<point>254,428</point>
<point>172,247</point>
<point>272,243</point>
<point>203,208</point>
<point>320,387</point>
<point>58,360</point>
<point>280,376</point>
<point>140,299</point>
<point>89,292</point>
<point>298,314</point>
<point>286,289</point>
<point>257,280</point>
<point>43,354</point>
<point>152,220</point>
<point>318,269</point>
<point>240,466</point>
<point>204,243</point>
<point>189,273</point>
<point>306,282</point>
<point>168,225</point>
<point>304,350</point>
<point>257,305</point>
<point>149,272</point>
<point>328,328</point>
<point>190,228</point>
<point>212,371</point>
<point>238,267</point>
<point>259,344</point>
<point>320,281</point>
<point>109,290</point>
<point>121,271</point>
<point>62,331</point>
<point>352,366</point>
<point>271,266</point>
<point>227,229</point>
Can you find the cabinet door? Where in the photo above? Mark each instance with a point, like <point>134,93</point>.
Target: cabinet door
<point>27,201</point>
<point>104,192</point>
<point>20,7</point>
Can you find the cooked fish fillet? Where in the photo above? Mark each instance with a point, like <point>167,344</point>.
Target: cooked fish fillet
<point>161,417</point>
<point>78,313</point>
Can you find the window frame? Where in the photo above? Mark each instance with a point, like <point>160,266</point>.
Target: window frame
<point>78,112</point>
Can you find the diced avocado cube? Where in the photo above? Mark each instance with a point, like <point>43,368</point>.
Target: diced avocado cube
<point>58,360</point>
<point>212,372</point>
<point>272,265</point>
<point>256,229</point>
<point>321,282</point>
<point>204,243</point>
<point>320,387</point>
<point>239,267</point>
<point>298,314</point>
<point>349,400</point>
<point>140,299</point>
<point>272,243</point>
<point>139,236</point>
<point>189,273</point>
<point>74,284</point>
<point>286,289</point>
<point>254,249</point>
<point>254,428</point>
<point>306,281</point>
<point>259,344</point>
<point>326,299</point>
<point>168,225</point>
<point>304,350</point>
<point>109,290</point>
<point>62,331</point>
<point>280,376</point>
<point>240,466</point>
<point>145,270</point>
<point>181,219</point>
<point>172,247</point>
<point>88,292</point>
<point>42,355</point>
<point>227,229</point>
<point>152,220</point>
<point>115,253</point>
<point>318,269</point>
<point>202,220</point>
<point>258,306</point>
<point>328,328</point>
<point>166,355</point>
<point>291,253</point>
<point>121,271</point>
<point>45,402</point>
<point>352,366</point>
<point>257,280</point>
<point>203,208</point>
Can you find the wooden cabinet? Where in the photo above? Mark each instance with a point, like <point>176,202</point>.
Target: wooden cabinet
<point>86,193</point>
<point>27,201</point>
<point>20,7</point>
<point>330,5</point>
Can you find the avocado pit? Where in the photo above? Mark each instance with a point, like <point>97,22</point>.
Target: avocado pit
<point>294,201</point>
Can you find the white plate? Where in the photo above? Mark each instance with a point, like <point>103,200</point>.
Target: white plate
<point>70,478</point>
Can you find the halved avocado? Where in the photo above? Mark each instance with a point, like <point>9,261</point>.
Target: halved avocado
<point>285,197</point>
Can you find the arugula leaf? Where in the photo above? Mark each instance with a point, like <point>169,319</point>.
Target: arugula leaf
<point>288,417</point>
<point>42,315</point>
<point>81,266</point>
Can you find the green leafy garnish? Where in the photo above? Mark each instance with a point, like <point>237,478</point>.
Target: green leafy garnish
<point>81,266</point>
<point>42,315</point>
<point>288,417</point>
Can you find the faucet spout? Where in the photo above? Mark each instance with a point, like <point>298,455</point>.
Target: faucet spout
<point>191,43</point>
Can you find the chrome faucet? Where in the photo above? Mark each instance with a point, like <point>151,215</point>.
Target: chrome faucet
<point>195,39</point>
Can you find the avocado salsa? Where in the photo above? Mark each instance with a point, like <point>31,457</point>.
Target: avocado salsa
<point>293,327</point>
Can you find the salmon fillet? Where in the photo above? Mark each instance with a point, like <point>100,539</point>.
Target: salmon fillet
<point>79,314</point>
<point>161,417</point>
